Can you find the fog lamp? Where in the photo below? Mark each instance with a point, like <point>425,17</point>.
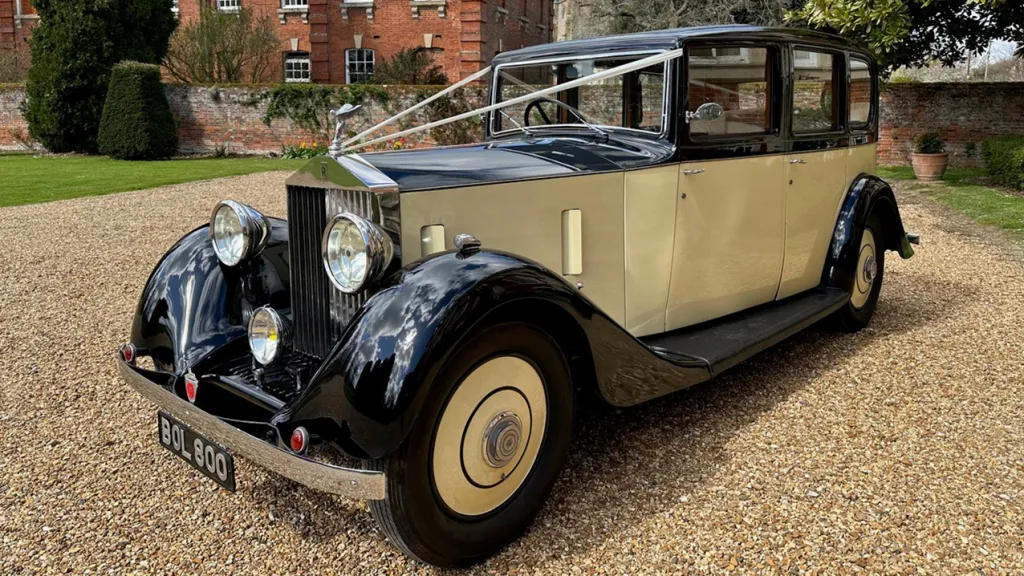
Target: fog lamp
<point>268,335</point>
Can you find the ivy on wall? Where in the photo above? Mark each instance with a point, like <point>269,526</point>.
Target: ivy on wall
<point>309,106</point>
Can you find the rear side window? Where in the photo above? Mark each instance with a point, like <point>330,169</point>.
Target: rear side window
<point>814,92</point>
<point>860,93</point>
<point>736,78</point>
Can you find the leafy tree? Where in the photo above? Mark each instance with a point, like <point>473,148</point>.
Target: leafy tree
<point>74,49</point>
<point>409,66</point>
<point>137,122</point>
<point>223,47</point>
<point>912,32</point>
<point>642,15</point>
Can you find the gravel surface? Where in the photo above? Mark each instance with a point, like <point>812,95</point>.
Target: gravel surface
<point>896,450</point>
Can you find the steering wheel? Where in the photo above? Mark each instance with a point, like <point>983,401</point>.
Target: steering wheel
<point>537,103</point>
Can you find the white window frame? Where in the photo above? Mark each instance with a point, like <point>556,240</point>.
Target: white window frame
<point>229,5</point>
<point>372,61</point>
<point>810,60</point>
<point>716,58</point>
<point>295,4</point>
<point>298,58</point>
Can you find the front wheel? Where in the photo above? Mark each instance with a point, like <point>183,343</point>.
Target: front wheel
<point>867,279</point>
<point>484,452</point>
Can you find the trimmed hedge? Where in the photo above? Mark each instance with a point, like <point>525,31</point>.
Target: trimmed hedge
<point>1004,160</point>
<point>74,48</point>
<point>137,122</point>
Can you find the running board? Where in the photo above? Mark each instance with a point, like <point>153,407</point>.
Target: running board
<point>721,344</point>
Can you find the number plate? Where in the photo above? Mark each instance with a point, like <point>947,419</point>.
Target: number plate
<point>203,455</point>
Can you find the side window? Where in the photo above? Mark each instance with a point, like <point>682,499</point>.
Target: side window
<point>739,79</point>
<point>860,93</point>
<point>814,92</point>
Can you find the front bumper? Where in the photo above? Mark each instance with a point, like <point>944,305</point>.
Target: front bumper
<point>353,483</point>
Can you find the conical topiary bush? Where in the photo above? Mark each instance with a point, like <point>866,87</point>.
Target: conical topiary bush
<point>137,123</point>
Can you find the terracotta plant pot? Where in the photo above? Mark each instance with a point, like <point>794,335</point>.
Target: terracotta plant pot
<point>929,167</point>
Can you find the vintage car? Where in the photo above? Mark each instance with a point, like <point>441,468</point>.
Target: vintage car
<point>646,211</point>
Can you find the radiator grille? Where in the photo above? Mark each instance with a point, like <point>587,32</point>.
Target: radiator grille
<point>311,290</point>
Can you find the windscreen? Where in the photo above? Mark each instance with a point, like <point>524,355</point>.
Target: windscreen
<point>634,100</point>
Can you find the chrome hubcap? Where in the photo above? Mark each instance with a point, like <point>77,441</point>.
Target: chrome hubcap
<point>870,269</point>
<point>501,439</point>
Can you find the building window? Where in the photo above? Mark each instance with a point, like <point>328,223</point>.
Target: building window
<point>296,67</point>
<point>295,3</point>
<point>174,6</point>
<point>229,5</point>
<point>358,65</point>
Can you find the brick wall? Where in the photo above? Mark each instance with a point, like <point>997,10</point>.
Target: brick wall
<point>231,117</point>
<point>963,114</point>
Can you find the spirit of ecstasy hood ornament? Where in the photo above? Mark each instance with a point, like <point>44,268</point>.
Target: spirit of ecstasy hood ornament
<point>341,116</point>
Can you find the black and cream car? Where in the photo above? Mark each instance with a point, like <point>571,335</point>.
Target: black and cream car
<point>645,212</point>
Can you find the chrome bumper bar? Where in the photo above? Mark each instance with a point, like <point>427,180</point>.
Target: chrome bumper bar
<point>353,483</point>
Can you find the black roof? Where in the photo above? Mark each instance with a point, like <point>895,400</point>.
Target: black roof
<point>665,40</point>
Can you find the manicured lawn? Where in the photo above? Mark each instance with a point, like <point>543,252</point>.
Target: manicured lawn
<point>27,179</point>
<point>964,190</point>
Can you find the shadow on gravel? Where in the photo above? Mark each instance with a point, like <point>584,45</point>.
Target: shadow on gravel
<point>628,465</point>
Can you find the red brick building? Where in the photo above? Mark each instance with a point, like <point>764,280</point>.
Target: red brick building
<point>17,19</point>
<point>340,41</point>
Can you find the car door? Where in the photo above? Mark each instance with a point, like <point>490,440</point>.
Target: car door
<point>816,164</point>
<point>730,206</point>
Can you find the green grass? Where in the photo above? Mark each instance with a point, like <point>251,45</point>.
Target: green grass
<point>962,191</point>
<point>28,179</point>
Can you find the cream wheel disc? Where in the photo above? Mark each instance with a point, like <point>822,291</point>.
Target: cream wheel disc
<point>489,435</point>
<point>867,270</point>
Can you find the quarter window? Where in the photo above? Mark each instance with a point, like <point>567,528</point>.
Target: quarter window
<point>229,5</point>
<point>860,93</point>
<point>296,67</point>
<point>814,92</point>
<point>736,78</point>
<point>358,65</point>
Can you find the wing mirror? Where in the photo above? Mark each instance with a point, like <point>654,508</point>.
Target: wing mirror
<point>706,112</point>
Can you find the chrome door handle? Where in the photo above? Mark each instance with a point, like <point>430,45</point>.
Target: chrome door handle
<point>692,172</point>
<point>798,161</point>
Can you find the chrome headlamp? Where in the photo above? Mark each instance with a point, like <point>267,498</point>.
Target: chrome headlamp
<point>268,335</point>
<point>355,251</point>
<point>238,232</point>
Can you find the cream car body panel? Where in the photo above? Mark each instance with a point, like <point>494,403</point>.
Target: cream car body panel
<point>649,243</point>
<point>525,218</point>
<point>861,160</point>
<point>729,238</point>
<point>817,184</point>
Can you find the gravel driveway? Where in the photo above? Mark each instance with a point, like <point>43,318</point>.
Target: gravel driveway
<point>894,450</point>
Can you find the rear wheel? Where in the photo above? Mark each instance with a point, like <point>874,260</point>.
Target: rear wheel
<point>867,283</point>
<point>485,450</point>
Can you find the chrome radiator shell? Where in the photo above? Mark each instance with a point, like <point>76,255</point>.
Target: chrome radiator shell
<point>325,187</point>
